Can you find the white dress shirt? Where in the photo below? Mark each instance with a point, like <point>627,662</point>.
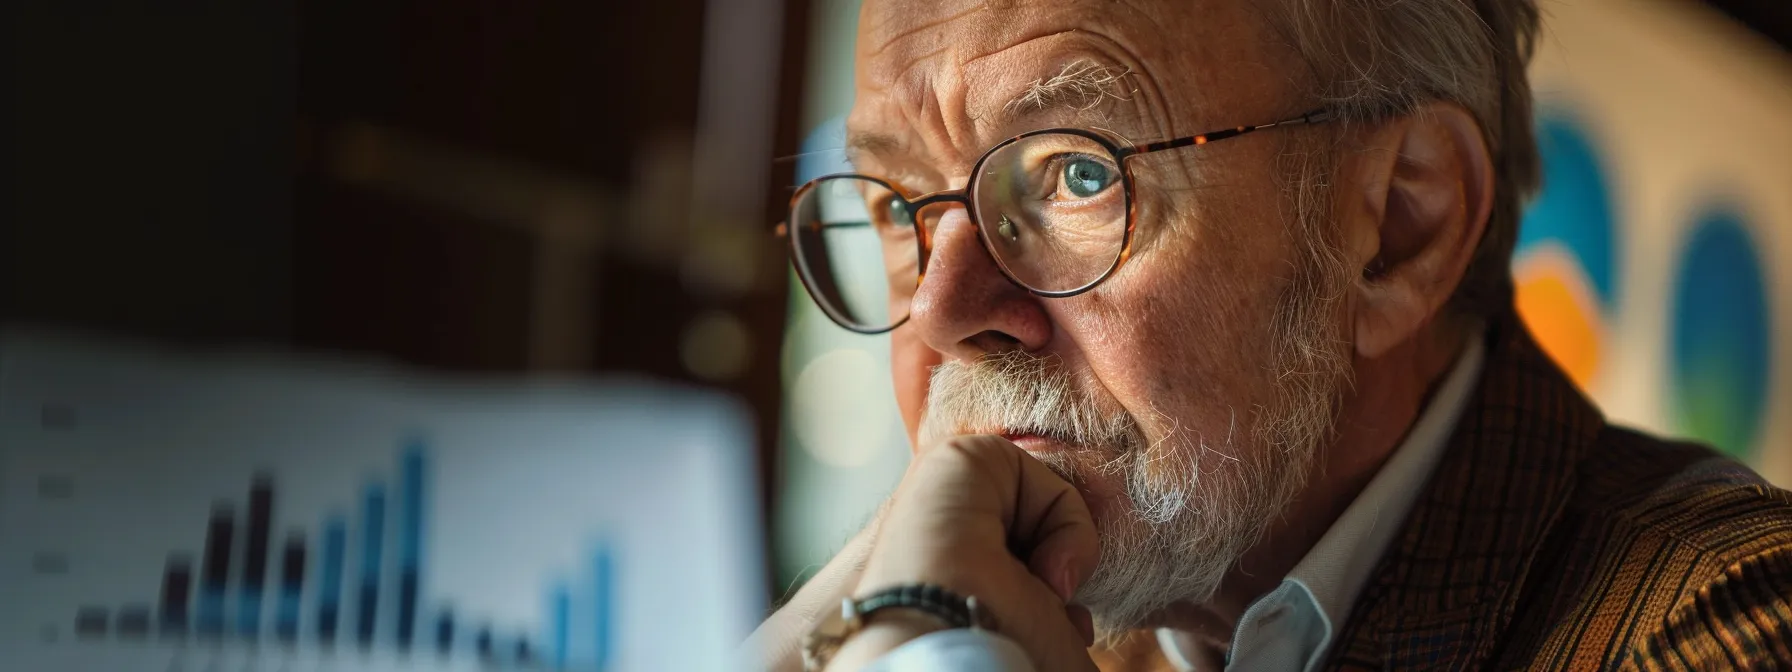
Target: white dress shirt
<point>1290,628</point>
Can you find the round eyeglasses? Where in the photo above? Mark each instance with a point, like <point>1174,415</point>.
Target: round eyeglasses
<point>1054,208</point>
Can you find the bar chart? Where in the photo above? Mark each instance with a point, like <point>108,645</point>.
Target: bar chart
<point>551,649</point>
<point>197,514</point>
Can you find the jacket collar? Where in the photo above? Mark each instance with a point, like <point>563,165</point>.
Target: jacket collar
<point>1450,582</point>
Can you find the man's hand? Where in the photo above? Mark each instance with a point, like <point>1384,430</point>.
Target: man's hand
<point>980,517</point>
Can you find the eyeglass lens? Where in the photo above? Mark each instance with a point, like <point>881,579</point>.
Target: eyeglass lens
<point>1051,207</point>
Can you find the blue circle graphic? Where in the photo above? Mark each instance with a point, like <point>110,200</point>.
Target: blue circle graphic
<point>1574,207</point>
<point>1721,345</point>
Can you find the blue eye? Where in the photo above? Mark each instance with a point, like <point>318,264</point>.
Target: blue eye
<point>899,213</point>
<point>1086,177</point>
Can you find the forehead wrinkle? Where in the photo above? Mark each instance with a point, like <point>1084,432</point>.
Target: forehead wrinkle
<point>939,105</point>
<point>922,86</point>
<point>884,156</point>
<point>895,155</point>
<point>879,44</point>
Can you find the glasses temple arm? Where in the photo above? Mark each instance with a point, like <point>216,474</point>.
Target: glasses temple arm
<point>1311,117</point>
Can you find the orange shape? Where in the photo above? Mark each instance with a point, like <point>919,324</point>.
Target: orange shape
<point>1563,319</point>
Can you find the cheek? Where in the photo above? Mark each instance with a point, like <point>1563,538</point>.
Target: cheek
<point>911,363</point>
<point>1181,337</point>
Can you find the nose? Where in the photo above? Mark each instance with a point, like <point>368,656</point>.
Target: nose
<point>964,307</point>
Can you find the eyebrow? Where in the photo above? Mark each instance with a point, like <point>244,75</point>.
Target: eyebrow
<point>864,143</point>
<point>1080,86</point>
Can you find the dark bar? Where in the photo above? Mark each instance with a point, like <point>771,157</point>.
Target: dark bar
<point>445,633</point>
<point>523,655</point>
<point>255,555</point>
<point>410,541</point>
<point>329,595</point>
<point>373,534</point>
<point>177,592</point>
<point>483,643</point>
<point>133,622</point>
<point>90,622</point>
<point>218,537</point>
<point>292,587</point>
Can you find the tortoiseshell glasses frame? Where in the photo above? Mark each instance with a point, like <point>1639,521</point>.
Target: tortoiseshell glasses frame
<point>967,198</point>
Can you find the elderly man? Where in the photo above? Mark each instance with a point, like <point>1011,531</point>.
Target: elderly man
<point>1248,398</point>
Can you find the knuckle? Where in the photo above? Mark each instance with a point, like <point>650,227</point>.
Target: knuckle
<point>982,458</point>
<point>971,448</point>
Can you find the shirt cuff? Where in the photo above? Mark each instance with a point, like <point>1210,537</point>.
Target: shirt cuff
<point>955,650</point>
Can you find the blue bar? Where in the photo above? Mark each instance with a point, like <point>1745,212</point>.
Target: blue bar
<point>258,537</point>
<point>291,587</point>
<point>561,622</point>
<point>602,598</point>
<point>329,595</point>
<point>177,595</point>
<point>445,632</point>
<point>373,536</point>
<point>220,532</point>
<point>410,539</point>
<point>248,616</point>
<point>211,611</point>
<point>482,643</point>
<point>286,616</point>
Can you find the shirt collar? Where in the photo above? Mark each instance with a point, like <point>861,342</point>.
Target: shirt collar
<point>1292,627</point>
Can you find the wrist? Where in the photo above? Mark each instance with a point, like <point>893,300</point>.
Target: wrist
<point>890,629</point>
<point>883,620</point>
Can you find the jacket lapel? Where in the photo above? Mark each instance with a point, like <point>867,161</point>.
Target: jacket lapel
<point>1448,585</point>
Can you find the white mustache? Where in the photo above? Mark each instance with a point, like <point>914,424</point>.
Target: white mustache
<point>1016,392</point>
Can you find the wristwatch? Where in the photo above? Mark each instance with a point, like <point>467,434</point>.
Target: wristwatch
<point>834,629</point>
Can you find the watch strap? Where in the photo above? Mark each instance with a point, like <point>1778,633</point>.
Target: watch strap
<point>945,605</point>
<point>948,607</point>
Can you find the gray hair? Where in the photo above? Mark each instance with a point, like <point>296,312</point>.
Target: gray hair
<point>1373,59</point>
<point>1082,84</point>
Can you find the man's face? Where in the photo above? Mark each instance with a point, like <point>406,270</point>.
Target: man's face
<point>1186,394</point>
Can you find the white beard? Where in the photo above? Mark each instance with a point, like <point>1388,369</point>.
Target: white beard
<point>1191,510</point>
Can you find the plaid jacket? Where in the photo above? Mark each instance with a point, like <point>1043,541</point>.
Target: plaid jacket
<point>1548,539</point>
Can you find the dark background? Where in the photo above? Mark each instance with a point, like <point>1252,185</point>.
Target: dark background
<point>166,174</point>
<point>460,185</point>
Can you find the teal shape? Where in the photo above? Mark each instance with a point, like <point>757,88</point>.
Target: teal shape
<point>1574,207</point>
<point>1721,341</point>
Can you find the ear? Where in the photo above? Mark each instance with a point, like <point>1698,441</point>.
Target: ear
<point>1423,193</point>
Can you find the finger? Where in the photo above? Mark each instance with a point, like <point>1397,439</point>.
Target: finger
<point>1084,622</point>
<point>1042,513</point>
<point>984,519</point>
<point>1052,519</point>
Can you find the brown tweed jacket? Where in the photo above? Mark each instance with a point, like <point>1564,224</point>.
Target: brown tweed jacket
<point>1548,539</point>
